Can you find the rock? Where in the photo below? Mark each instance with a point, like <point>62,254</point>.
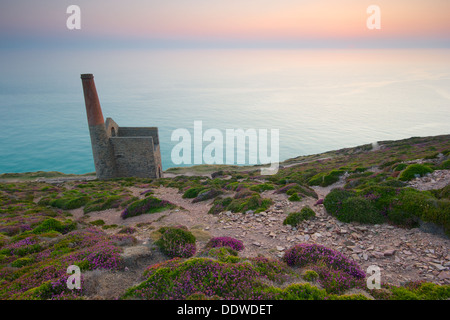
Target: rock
<point>320,201</point>
<point>357,250</point>
<point>378,254</point>
<point>438,266</point>
<point>279,248</point>
<point>388,253</point>
<point>444,275</point>
<point>349,243</point>
<point>256,244</point>
<point>355,236</point>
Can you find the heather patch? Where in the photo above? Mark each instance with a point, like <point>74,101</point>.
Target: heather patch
<point>271,269</point>
<point>336,281</point>
<point>205,278</point>
<point>303,254</point>
<point>207,194</point>
<point>336,273</point>
<point>147,205</point>
<point>298,189</point>
<point>19,213</point>
<point>181,279</point>
<point>225,242</point>
<point>93,196</point>
<point>40,266</point>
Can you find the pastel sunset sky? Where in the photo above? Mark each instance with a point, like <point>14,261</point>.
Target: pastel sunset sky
<point>310,23</point>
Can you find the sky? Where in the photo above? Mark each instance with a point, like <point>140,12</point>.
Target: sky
<point>229,23</point>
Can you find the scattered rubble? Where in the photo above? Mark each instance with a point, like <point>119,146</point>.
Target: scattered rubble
<point>436,180</point>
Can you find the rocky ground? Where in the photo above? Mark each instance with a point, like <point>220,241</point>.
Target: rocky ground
<point>402,255</point>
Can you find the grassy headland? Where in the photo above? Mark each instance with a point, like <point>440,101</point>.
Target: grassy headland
<point>42,232</point>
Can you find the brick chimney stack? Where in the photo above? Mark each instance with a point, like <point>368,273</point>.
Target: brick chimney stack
<point>101,147</point>
<point>93,109</point>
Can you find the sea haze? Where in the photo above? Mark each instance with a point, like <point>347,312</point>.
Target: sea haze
<point>319,100</point>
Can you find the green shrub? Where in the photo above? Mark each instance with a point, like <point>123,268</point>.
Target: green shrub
<point>445,165</point>
<point>176,242</point>
<point>98,222</point>
<point>326,179</point>
<point>50,234</point>
<point>400,167</point>
<point>254,203</point>
<point>443,193</point>
<point>295,197</point>
<point>333,201</point>
<point>432,156</point>
<point>413,171</point>
<point>207,194</point>
<point>69,203</point>
<point>220,205</point>
<point>224,254</point>
<point>103,204</point>
<point>19,263</point>
<point>272,269</point>
<point>262,187</point>
<point>26,250</point>
<point>192,192</point>
<point>310,275</point>
<point>244,193</point>
<point>3,240</point>
<point>358,209</point>
<point>149,204</point>
<point>303,291</point>
<point>424,291</point>
<point>54,225</point>
<point>295,218</point>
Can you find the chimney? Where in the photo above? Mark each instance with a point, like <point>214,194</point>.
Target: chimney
<point>93,109</point>
<point>101,147</point>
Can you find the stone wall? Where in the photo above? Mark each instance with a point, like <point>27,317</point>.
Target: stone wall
<point>102,151</point>
<point>139,132</point>
<point>134,157</point>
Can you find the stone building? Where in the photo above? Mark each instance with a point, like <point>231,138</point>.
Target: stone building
<point>119,151</point>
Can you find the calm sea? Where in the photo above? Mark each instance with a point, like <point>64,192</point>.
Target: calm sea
<point>318,99</point>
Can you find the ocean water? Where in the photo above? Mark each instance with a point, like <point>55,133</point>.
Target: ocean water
<point>319,100</point>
